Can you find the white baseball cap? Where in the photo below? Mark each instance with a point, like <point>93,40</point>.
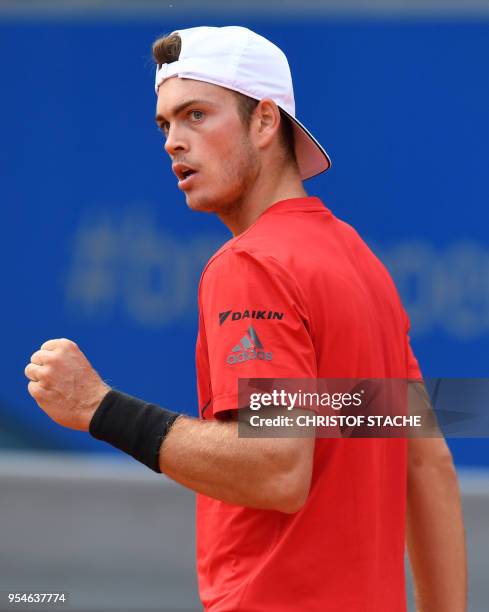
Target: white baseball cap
<point>239,59</point>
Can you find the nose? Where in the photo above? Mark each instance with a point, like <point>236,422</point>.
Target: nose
<point>175,142</point>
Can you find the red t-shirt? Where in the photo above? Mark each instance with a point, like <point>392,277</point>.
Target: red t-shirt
<point>301,288</point>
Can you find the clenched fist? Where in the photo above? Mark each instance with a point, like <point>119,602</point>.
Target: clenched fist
<point>64,384</point>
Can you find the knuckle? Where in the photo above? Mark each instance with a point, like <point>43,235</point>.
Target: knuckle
<point>37,357</point>
<point>63,346</point>
<point>43,388</point>
<point>33,388</point>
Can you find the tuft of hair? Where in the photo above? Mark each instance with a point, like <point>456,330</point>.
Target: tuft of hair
<point>167,49</point>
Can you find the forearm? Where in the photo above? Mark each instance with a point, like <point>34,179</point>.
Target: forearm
<point>209,458</point>
<point>435,534</point>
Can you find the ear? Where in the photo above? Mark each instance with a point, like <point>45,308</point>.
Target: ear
<point>266,122</point>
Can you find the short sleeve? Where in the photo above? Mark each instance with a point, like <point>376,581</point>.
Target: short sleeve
<point>256,324</point>
<point>413,369</point>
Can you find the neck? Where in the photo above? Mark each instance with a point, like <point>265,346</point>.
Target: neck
<point>283,184</point>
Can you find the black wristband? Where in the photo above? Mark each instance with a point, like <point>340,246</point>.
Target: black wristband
<point>132,426</point>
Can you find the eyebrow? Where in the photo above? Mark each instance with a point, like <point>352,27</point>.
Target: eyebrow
<point>180,107</point>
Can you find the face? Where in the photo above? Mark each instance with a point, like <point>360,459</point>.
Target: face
<point>211,150</point>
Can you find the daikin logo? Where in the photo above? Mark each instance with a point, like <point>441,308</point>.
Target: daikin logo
<point>238,315</point>
<point>249,347</point>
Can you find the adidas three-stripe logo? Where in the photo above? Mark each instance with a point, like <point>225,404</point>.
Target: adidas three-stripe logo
<point>249,347</point>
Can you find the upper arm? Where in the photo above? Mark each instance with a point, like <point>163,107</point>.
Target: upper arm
<point>429,448</point>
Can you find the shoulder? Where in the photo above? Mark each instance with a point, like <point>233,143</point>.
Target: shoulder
<point>249,279</point>
<point>237,261</point>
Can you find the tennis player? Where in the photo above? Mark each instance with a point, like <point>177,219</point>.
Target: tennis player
<point>283,524</point>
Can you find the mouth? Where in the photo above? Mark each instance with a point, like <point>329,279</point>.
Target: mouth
<point>185,175</point>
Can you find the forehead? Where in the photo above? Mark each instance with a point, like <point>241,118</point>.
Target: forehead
<point>175,91</point>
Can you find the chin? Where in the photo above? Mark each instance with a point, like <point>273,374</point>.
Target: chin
<point>201,203</point>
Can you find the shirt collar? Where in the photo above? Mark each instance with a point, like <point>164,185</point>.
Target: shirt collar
<point>306,204</point>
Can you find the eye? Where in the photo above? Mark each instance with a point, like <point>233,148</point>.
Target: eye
<point>196,115</point>
<point>164,128</point>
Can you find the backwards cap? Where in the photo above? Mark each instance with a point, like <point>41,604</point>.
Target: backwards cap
<point>239,59</point>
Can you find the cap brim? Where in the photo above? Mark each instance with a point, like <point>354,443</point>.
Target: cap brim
<point>312,159</point>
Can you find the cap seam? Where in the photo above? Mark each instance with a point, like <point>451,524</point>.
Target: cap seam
<point>237,57</point>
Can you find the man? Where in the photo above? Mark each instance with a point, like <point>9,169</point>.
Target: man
<point>283,524</point>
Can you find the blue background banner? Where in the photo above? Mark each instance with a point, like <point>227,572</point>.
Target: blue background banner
<point>98,245</point>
